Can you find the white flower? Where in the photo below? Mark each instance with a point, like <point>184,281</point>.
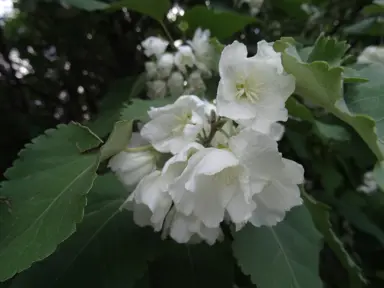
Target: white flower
<point>188,229</point>
<point>202,49</point>
<point>176,84</point>
<point>371,54</point>
<point>266,52</point>
<point>184,57</point>
<point>150,201</point>
<point>277,131</point>
<point>154,46</point>
<point>220,181</point>
<point>279,196</point>
<point>196,84</point>
<point>138,160</point>
<point>157,89</point>
<point>151,204</point>
<point>370,185</point>
<point>151,69</point>
<point>165,65</point>
<point>174,126</point>
<point>251,90</point>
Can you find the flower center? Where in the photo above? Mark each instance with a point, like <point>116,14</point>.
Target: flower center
<point>183,121</point>
<point>245,91</point>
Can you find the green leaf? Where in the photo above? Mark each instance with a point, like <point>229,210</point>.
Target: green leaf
<point>138,108</point>
<point>89,5</point>
<point>331,132</point>
<point>118,140</point>
<point>108,249</point>
<point>368,98</point>
<point>374,9</point>
<point>369,26</point>
<point>222,24</point>
<point>157,9</point>
<point>193,266</point>
<point>47,188</point>
<point>290,248</point>
<point>328,49</point>
<point>119,92</point>
<point>359,219</point>
<point>351,75</point>
<point>298,110</point>
<point>378,174</point>
<point>322,84</point>
<point>321,217</point>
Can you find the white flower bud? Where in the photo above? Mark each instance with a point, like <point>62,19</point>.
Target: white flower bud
<point>165,65</point>
<point>138,160</point>
<point>157,89</point>
<point>154,46</point>
<point>176,84</point>
<point>184,58</point>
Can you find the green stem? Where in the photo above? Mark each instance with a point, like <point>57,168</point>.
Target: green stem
<point>166,31</point>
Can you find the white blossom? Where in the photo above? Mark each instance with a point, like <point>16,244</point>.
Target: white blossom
<point>137,161</point>
<point>157,89</point>
<point>151,69</point>
<point>203,50</point>
<point>176,84</point>
<point>184,58</point>
<point>189,229</point>
<point>151,204</point>
<point>150,201</point>
<point>174,126</point>
<point>277,131</point>
<point>279,196</point>
<point>196,84</point>
<point>165,65</point>
<point>154,46</point>
<point>372,54</point>
<point>251,90</point>
<point>266,52</point>
<point>220,181</point>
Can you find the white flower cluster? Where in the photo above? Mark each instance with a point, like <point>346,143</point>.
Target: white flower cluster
<point>181,72</point>
<point>372,54</point>
<point>254,5</point>
<point>224,163</point>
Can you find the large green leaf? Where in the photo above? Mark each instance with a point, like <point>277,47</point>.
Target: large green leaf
<point>321,217</point>
<point>285,255</point>
<point>47,189</point>
<point>156,9</point>
<point>222,24</point>
<point>368,98</point>
<point>191,266</point>
<point>108,249</point>
<point>323,85</point>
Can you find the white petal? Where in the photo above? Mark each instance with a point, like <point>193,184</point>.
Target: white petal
<point>273,203</point>
<point>231,54</point>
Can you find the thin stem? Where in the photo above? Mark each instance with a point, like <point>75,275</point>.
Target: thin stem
<point>168,34</point>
